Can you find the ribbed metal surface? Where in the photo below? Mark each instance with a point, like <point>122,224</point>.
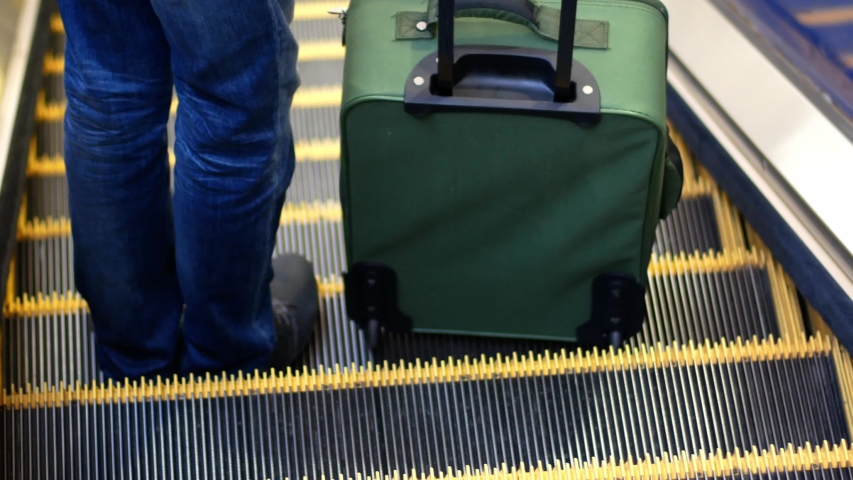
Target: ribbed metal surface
<point>315,122</point>
<point>46,266</point>
<point>725,301</point>
<point>48,197</point>
<point>512,418</point>
<point>49,349</point>
<point>710,306</point>
<point>691,227</point>
<point>630,405</point>
<point>322,241</point>
<point>337,340</point>
<point>57,347</point>
<point>49,136</point>
<point>315,181</point>
<point>325,29</point>
<point>321,72</point>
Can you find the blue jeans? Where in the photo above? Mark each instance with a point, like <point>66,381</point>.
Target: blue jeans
<point>178,284</point>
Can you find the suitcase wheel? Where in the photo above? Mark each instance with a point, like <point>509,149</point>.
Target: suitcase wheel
<point>374,333</point>
<point>371,300</point>
<point>618,311</point>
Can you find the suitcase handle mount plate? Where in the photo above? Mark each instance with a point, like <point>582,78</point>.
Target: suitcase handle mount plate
<point>503,79</point>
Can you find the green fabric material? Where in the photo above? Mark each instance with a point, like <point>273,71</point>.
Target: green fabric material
<point>588,33</point>
<point>497,224</point>
<point>672,188</point>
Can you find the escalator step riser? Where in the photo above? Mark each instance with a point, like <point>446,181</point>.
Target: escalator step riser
<point>691,227</point>
<point>53,349</point>
<point>50,137</point>
<point>315,122</point>
<point>315,181</point>
<point>685,303</point>
<point>337,340</point>
<point>319,30</point>
<point>322,242</point>
<point>332,431</point>
<point>46,265</point>
<point>47,197</point>
<point>322,72</point>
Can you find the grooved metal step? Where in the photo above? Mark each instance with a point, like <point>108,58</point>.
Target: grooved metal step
<point>517,411</point>
<point>316,122</point>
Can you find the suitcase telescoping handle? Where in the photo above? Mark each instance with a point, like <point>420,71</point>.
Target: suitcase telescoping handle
<point>565,41</point>
<point>529,81</point>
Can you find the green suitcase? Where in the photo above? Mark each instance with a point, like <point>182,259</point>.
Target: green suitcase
<point>497,180</point>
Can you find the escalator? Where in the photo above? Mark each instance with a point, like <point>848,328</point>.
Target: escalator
<point>735,375</point>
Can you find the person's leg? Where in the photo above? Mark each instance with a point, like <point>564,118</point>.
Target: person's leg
<point>234,65</point>
<point>118,82</point>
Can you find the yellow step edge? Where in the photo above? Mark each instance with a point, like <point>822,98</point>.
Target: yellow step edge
<point>11,292</point>
<point>318,51</point>
<point>847,59</point>
<point>292,213</point>
<point>56,25</point>
<point>27,306</point>
<point>314,212</point>
<point>313,51</point>
<point>703,262</point>
<point>305,97</point>
<point>431,372</point>
<point>697,187</point>
<point>687,160</point>
<point>314,96</point>
<point>317,10</point>
<point>53,64</point>
<point>313,150</point>
<point>304,10</point>
<point>42,228</point>
<point>826,16</point>
<point>318,96</point>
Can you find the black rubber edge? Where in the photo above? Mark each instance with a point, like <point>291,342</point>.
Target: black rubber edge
<point>14,178</point>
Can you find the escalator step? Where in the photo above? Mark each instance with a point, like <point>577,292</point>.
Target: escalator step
<point>320,72</point>
<point>318,122</point>
<point>319,30</point>
<point>501,411</point>
<point>738,294</point>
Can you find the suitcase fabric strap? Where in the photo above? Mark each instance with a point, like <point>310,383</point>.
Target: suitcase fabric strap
<point>542,19</point>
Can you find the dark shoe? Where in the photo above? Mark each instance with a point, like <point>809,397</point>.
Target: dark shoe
<point>295,306</point>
